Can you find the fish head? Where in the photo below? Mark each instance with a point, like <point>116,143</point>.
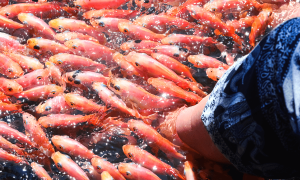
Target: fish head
<point>75,44</point>
<point>133,125</point>
<point>54,90</point>
<point>127,46</point>
<point>22,17</point>
<point>12,87</point>
<point>14,71</point>
<point>128,150</point>
<point>167,40</point>
<point>75,100</point>
<point>124,27</point>
<point>33,43</point>
<point>99,23</point>
<point>56,24</point>
<point>57,59</point>
<point>125,170</point>
<point>212,73</point>
<point>58,142</point>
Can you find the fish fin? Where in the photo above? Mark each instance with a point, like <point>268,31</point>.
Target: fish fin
<point>95,119</point>
<point>154,149</point>
<point>217,32</point>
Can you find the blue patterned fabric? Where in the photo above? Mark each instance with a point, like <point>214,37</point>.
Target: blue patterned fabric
<point>253,113</point>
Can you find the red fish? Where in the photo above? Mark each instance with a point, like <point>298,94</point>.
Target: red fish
<point>139,32</point>
<point>242,23</point>
<point>189,171</point>
<point>92,50</point>
<point>231,5</point>
<point>99,4</point>
<point>10,147</point>
<point>83,104</point>
<point>84,79</point>
<point>66,36</point>
<point>6,109</point>
<point>66,164</point>
<point>176,52</point>
<point>63,24</point>
<point>113,13</point>
<point>103,165</point>
<point>138,44</point>
<point>70,62</point>
<point>35,132</point>
<point>66,120</point>
<point>170,88</point>
<point>11,44</point>
<point>149,161</point>
<point>40,92</point>
<point>38,9</point>
<point>10,87</point>
<point>202,61</point>
<point>28,64</point>
<point>91,171</point>
<point>55,74</point>
<point>9,24</point>
<point>136,96</point>
<point>174,65</point>
<point>133,171</point>
<point>128,69</point>
<point>215,73</point>
<point>54,105</point>
<point>161,23</point>
<point>209,19</point>
<point>41,45</point>
<point>39,27</point>
<point>259,25</point>
<point>72,147</point>
<point>151,136</point>
<point>156,69</point>
<point>40,171</point>
<point>107,24</point>
<point>5,156</point>
<point>7,131</point>
<point>33,79</point>
<point>10,68</point>
<point>4,98</point>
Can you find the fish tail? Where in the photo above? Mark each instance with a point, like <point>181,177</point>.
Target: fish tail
<point>95,119</point>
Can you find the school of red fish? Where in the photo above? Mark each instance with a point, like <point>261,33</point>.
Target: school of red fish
<point>115,68</point>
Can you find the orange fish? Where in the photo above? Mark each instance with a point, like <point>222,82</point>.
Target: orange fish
<point>5,156</point>
<point>66,164</point>
<point>55,74</point>
<point>92,50</point>
<point>241,24</point>
<point>11,44</point>
<point>35,78</point>
<point>38,9</point>
<point>188,40</point>
<point>151,136</point>
<point>103,165</point>
<point>259,25</point>
<point>39,27</point>
<point>107,24</point>
<point>35,132</point>
<point>7,131</point>
<point>215,73</point>
<point>133,171</point>
<point>99,4</point>
<point>231,5</point>
<point>40,171</point>
<point>209,19</point>
<point>154,68</point>
<point>10,68</point>
<point>41,45</point>
<point>149,161</point>
<point>106,176</point>
<point>138,44</point>
<point>203,61</point>
<point>67,120</point>
<point>54,105</point>
<point>6,109</point>
<point>139,32</point>
<point>168,87</point>
<point>174,65</point>
<point>9,24</point>
<point>69,62</point>
<point>10,147</point>
<point>4,98</point>
<point>91,171</point>
<point>73,25</point>
<point>40,92</point>
<point>113,13</point>
<point>84,79</point>
<point>66,36</point>
<point>10,87</point>
<point>83,104</point>
<point>28,64</point>
<point>189,171</point>
<point>72,147</point>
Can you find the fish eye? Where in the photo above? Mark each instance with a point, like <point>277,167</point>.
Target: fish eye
<point>134,128</point>
<point>138,41</point>
<point>99,167</point>
<point>199,63</point>
<point>60,27</point>
<point>25,22</point>
<point>176,55</point>
<point>74,46</point>
<point>30,68</point>
<point>218,78</point>
<point>53,92</point>
<point>7,14</point>
<point>117,88</point>
<point>39,77</point>
<point>10,70</point>
<point>87,171</point>
<point>144,24</point>
<point>70,79</point>
<point>59,61</point>
<point>72,104</point>
<point>60,147</point>
<point>78,6</point>
<point>130,155</point>
<point>136,63</point>
<point>10,88</point>
<point>128,173</point>
<point>214,9</point>
<point>59,165</point>
<point>47,108</point>
<point>101,24</point>
<point>126,30</point>
<point>37,47</point>
<point>146,1</point>
<point>77,81</point>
